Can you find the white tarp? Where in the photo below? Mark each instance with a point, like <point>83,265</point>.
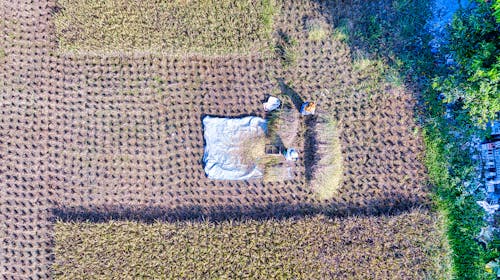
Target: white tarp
<point>223,138</point>
<point>272,104</point>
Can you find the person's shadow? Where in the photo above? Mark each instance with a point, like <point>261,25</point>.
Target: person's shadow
<point>294,96</point>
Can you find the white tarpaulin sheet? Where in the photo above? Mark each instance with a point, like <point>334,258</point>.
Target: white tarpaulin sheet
<point>223,138</point>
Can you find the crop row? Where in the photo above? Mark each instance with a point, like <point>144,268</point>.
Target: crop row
<point>315,247</point>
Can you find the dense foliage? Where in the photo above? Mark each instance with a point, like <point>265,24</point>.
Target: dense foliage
<point>475,43</point>
<point>451,169</point>
<point>472,85</point>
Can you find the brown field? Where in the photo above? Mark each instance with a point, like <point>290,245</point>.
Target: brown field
<point>111,135</point>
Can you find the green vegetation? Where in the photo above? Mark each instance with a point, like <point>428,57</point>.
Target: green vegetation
<point>340,31</point>
<point>339,34</point>
<point>449,160</point>
<point>475,43</point>
<point>405,246</point>
<point>449,167</point>
<point>496,10</point>
<point>473,86</point>
<point>392,31</point>
<point>269,9</point>
<point>187,26</point>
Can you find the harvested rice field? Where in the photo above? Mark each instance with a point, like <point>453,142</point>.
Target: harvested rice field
<point>101,136</point>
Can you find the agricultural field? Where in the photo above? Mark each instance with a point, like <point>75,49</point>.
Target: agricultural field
<point>101,137</point>
<point>306,248</point>
<point>180,26</point>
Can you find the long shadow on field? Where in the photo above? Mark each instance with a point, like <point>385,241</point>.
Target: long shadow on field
<point>310,145</point>
<point>224,213</point>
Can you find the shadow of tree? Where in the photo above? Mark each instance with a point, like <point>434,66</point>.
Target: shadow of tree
<point>149,214</point>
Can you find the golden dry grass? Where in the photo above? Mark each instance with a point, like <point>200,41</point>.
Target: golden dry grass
<point>284,126</point>
<point>406,246</point>
<point>330,166</point>
<point>185,26</point>
<point>252,150</point>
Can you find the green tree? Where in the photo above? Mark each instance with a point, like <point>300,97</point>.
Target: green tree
<point>475,41</point>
